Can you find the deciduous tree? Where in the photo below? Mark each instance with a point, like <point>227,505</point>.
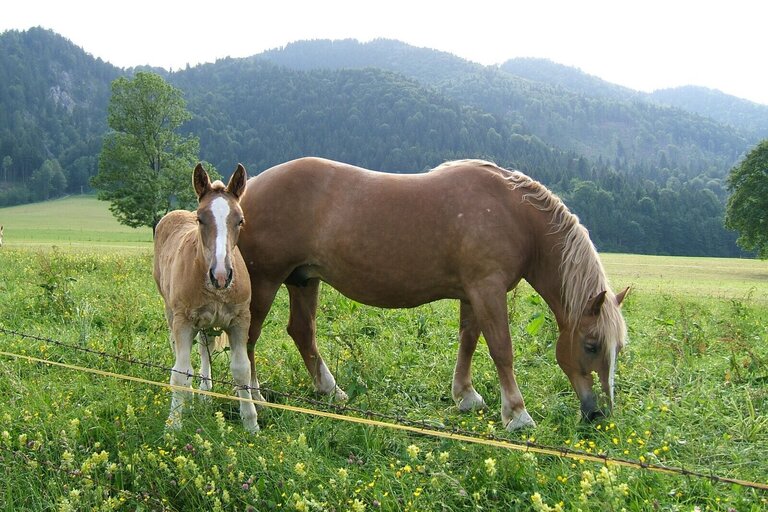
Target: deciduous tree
<point>747,210</point>
<point>145,164</point>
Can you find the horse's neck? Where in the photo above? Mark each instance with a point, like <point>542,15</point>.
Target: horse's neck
<point>546,278</point>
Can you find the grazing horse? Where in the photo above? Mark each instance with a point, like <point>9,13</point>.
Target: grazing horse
<point>204,282</point>
<point>467,230</point>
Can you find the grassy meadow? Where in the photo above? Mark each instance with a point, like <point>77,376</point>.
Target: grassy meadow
<point>692,392</point>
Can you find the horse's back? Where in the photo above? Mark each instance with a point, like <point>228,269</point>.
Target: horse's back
<point>382,239</point>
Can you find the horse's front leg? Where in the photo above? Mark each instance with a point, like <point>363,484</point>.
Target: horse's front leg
<point>464,393</point>
<point>262,296</point>
<point>182,334</point>
<point>489,304</point>
<point>302,328</point>
<point>241,373</point>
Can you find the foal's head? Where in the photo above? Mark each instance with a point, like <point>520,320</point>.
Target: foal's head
<point>591,346</point>
<point>219,219</point>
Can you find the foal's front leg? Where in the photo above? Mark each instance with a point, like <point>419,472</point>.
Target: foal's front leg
<point>182,334</point>
<point>241,373</point>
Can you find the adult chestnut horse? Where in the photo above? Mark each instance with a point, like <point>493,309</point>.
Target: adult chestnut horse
<point>467,230</point>
<point>203,280</point>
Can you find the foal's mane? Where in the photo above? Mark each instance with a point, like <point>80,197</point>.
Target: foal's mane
<point>583,275</point>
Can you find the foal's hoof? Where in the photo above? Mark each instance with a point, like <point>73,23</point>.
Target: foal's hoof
<point>524,420</point>
<point>338,395</point>
<point>258,398</point>
<point>471,402</point>
<point>251,426</point>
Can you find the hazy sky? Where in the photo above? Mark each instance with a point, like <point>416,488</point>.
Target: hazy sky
<point>641,44</point>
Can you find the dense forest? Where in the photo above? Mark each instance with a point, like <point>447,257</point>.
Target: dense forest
<point>645,173</point>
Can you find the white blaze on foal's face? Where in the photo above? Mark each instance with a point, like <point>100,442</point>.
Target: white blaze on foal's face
<point>221,269</point>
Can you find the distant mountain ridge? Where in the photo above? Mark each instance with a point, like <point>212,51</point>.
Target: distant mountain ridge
<point>561,105</point>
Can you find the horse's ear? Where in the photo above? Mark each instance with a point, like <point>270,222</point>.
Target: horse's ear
<point>201,181</point>
<point>236,185</point>
<point>621,296</point>
<point>596,303</point>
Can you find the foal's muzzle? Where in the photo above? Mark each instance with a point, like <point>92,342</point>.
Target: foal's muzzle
<point>220,281</point>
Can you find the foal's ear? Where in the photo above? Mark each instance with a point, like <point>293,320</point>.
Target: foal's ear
<point>201,181</point>
<point>236,185</point>
<point>596,303</point>
<point>621,296</point>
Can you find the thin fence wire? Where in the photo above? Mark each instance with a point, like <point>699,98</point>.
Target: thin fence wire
<point>364,416</point>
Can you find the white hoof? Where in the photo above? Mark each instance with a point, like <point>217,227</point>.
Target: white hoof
<point>338,395</point>
<point>205,385</point>
<point>251,425</point>
<point>472,401</point>
<point>524,420</point>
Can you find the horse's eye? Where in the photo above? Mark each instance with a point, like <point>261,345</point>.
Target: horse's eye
<point>591,347</point>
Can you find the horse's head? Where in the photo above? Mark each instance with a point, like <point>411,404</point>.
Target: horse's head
<point>1,236</point>
<point>219,219</point>
<point>591,346</point>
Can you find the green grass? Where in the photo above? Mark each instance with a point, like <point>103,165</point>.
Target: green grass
<point>72,222</point>
<point>691,393</point>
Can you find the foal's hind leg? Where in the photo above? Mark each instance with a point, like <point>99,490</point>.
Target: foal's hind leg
<point>205,362</point>
<point>463,391</point>
<point>489,304</point>
<point>302,328</point>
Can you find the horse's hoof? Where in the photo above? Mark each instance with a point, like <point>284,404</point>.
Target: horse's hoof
<point>472,402</point>
<point>524,420</point>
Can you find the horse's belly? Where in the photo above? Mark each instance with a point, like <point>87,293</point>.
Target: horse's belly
<point>392,289</point>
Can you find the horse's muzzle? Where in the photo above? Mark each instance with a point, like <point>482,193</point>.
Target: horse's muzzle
<point>590,411</point>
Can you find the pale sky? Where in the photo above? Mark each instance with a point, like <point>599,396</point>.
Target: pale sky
<point>641,44</point>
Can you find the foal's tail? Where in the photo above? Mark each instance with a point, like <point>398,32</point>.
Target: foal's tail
<point>220,342</point>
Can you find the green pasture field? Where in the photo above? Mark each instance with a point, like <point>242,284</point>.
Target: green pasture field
<point>692,393</point>
<point>71,222</point>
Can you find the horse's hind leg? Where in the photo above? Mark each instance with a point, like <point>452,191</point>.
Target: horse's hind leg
<point>463,391</point>
<point>302,328</point>
<point>490,308</point>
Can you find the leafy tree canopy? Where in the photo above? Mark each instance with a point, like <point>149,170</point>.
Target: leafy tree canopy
<point>747,209</point>
<point>145,164</point>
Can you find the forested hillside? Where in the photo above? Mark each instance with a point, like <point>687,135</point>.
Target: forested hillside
<point>643,178</point>
<point>53,102</point>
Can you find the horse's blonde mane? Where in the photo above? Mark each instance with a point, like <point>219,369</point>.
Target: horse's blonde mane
<point>583,275</point>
